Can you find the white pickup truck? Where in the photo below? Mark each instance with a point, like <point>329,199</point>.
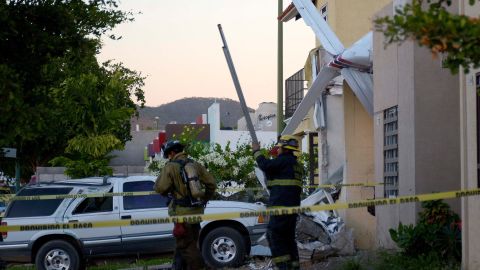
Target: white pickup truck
<point>222,242</point>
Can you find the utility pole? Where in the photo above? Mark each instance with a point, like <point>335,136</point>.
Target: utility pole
<point>236,82</point>
<point>280,123</point>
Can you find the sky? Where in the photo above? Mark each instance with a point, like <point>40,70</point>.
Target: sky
<point>177,46</point>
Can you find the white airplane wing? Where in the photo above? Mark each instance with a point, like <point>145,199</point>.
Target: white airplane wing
<point>322,30</point>
<point>362,85</point>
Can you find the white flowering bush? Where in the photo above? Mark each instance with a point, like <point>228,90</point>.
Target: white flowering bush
<point>224,164</point>
<point>230,168</point>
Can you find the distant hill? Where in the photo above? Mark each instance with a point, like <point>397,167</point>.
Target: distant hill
<point>186,110</point>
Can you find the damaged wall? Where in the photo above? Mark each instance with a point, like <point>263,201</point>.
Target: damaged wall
<point>359,168</point>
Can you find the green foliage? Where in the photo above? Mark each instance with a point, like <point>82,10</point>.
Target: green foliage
<point>51,85</point>
<point>400,261</point>
<point>437,234</point>
<point>88,155</point>
<point>81,168</point>
<point>455,36</point>
<point>352,265</point>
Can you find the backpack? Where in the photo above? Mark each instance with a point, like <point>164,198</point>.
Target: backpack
<point>192,182</point>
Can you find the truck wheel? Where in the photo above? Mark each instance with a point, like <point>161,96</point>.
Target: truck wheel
<point>223,247</point>
<point>57,255</point>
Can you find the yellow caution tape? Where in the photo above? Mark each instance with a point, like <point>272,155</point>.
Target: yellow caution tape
<point>234,215</point>
<point>12,197</point>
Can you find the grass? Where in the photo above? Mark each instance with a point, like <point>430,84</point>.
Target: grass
<point>108,265</point>
<point>398,261</point>
<point>352,264</point>
<point>138,263</point>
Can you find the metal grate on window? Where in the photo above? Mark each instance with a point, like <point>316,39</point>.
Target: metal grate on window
<point>390,152</point>
<point>295,86</point>
<point>324,12</point>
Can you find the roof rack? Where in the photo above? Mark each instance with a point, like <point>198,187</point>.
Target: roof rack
<point>79,183</point>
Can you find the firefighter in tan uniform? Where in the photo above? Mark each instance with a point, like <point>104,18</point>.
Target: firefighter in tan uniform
<point>170,182</point>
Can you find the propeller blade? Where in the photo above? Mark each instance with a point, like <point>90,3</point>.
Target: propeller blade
<point>322,30</point>
<point>362,85</point>
<point>318,86</point>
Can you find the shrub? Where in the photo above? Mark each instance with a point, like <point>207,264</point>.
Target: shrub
<point>437,234</point>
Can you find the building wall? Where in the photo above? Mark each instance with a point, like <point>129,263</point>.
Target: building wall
<point>468,127</point>
<point>437,129</point>
<point>359,168</point>
<point>470,215</point>
<point>133,154</point>
<point>351,19</point>
<point>234,137</point>
<point>428,131</point>
<point>334,150</point>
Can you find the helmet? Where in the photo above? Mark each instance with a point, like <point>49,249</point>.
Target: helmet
<point>288,142</point>
<point>172,145</point>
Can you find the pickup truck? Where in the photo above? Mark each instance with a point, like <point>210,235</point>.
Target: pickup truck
<point>224,243</point>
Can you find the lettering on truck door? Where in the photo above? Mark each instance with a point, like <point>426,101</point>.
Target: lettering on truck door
<point>83,212</point>
<point>156,236</point>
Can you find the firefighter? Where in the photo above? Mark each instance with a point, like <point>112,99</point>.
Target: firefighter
<point>284,180</point>
<point>171,182</point>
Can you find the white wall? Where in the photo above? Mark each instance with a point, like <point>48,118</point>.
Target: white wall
<point>222,137</point>
<point>235,137</point>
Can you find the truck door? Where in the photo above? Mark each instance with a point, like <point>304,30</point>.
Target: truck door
<point>105,240</point>
<point>143,239</point>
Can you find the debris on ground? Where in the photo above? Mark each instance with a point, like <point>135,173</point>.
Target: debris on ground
<point>319,235</point>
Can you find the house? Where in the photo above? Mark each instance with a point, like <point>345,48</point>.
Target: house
<point>422,137</point>
<point>344,126</point>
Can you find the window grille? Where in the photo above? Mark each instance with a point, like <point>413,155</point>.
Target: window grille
<point>313,157</point>
<point>295,86</point>
<point>324,12</point>
<point>390,152</point>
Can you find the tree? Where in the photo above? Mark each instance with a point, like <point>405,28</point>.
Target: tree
<point>49,48</point>
<point>431,25</point>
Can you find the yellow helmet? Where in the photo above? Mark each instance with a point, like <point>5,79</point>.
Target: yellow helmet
<point>288,142</point>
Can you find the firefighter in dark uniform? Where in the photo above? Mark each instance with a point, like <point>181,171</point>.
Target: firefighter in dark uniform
<point>284,180</point>
<point>170,182</point>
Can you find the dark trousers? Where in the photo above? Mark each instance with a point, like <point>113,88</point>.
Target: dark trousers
<point>187,254</point>
<point>281,239</point>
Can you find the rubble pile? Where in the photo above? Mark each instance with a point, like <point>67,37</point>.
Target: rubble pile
<point>319,234</point>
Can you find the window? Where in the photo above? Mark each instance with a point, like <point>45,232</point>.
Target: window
<point>142,202</point>
<point>313,157</point>
<point>38,208</point>
<point>324,12</point>
<point>95,205</point>
<point>294,88</point>
<point>390,152</point>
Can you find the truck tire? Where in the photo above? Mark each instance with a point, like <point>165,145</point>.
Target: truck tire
<point>223,247</point>
<point>57,254</point>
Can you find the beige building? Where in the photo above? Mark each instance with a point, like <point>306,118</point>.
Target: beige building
<point>469,154</point>
<point>417,143</point>
<point>345,140</point>
<point>426,126</point>
<point>422,138</point>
